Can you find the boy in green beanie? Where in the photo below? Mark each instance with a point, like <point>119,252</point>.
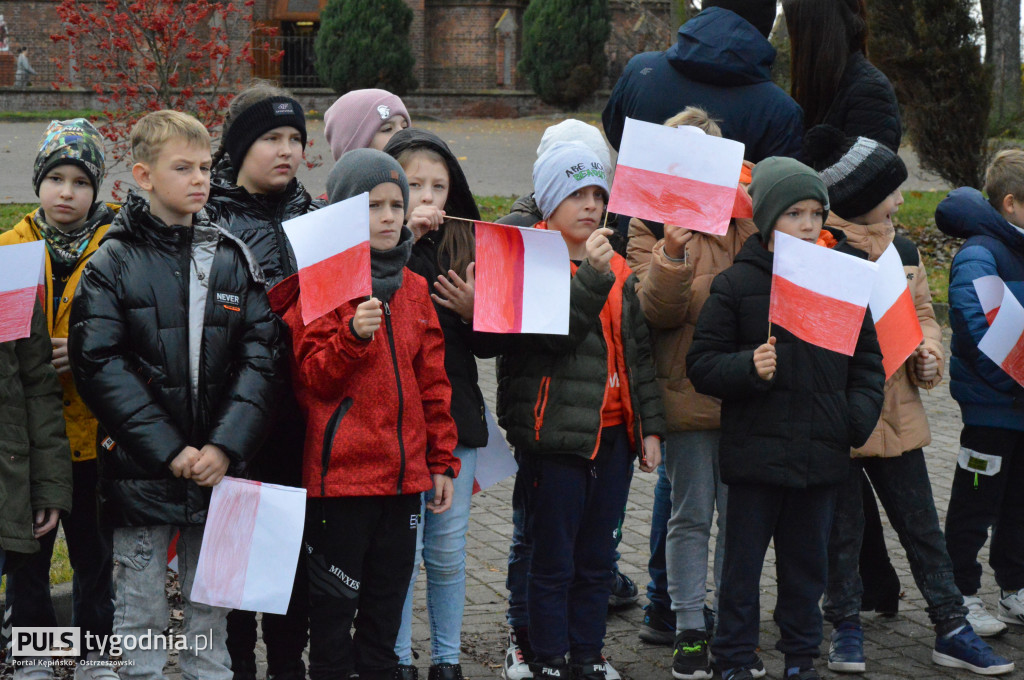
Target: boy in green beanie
<point>791,411</point>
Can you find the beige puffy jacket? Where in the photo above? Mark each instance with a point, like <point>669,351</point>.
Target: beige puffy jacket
<point>671,294</point>
<point>903,425</point>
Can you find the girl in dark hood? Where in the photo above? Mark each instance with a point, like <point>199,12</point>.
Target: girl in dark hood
<point>444,254</point>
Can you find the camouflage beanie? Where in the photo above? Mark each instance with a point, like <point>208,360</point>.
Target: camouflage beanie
<point>73,141</point>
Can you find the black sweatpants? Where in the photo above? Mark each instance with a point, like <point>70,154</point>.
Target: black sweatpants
<point>359,556</point>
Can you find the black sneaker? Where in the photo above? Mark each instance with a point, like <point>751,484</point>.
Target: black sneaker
<point>406,672</point>
<point>659,625</point>
<point>551,669</point>
<point>445,671</point>
<point>690,659</point>
<point>624,592</point>
<point>590,669</point>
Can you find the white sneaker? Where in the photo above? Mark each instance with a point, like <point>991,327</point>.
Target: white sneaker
<point>983,623</point>
<point>1011,607</point>
<point>33,671</point>
<point>515,666</point>
<point>609,672</point>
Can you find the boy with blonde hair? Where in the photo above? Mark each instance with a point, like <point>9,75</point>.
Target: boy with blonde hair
<point>174,348</point>
<point>990,467</point>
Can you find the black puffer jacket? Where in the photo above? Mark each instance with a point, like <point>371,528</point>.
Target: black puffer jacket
<point>256,219</point>
<point>129,350</point>
<point>797,429</point>
<point>865,105</point>
<point>461,344</point>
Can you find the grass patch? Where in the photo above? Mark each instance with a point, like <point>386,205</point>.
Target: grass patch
<point>916,220</point>
<point>47,116</point>
<point>12,213</point>
<point>493,207</point>
<point>60,565</point>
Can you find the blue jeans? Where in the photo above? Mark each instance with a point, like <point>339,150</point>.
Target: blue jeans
<point>441,545</point>
<point>657,589</point>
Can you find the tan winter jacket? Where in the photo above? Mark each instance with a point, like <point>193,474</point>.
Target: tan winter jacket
<point>671,294</point>
<point>903,425</point>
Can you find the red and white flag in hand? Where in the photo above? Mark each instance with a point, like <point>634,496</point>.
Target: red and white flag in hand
<point>990,295</point>
<point>522,280</point>
<point>677,176</point>
<point>893,311</point>
<point>332,250</point>
<point>819,295</point>
<point>1003,342</point>
<point>22,272</point>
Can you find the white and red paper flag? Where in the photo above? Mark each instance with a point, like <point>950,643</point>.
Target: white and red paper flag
<point>1003,342</point>
<point>250,546</point>
<point>495,461</point>
<point>677,176</point>
<point>990,295</point>
<point>522,280</point>
<point>819,295</point>
<point>894,313</point>
<point>332,250</point>
<point>22,272</point>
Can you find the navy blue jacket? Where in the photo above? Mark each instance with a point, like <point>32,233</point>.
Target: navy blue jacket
<point>722,64</point>
<point>987,395</point>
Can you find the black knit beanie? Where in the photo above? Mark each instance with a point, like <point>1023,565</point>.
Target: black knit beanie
<point>360,170</point>
<point>253,122</point>
<point>858,172</point>
<point>760,13</point>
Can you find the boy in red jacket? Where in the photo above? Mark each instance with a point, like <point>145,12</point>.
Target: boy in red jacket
<point>371,383</point>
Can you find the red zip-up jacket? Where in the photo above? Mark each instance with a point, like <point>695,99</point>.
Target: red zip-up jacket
<point>377,411</point>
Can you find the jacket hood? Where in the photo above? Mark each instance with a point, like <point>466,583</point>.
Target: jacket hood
<point>460,201</point>
<point>873,239</point>
<point>965,212</point>
<point>720,47</point>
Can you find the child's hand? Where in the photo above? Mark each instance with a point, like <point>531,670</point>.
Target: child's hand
<point>44,522</point>
<point>652,454</point>
<point>599,250</point>
<point>60,355</point>
<point>211,466</point>
<point>425,218</point>
<point>181,465</point>
<point>926,365</point>
<point>676,238</point>
<point>444,489</point>
<point>764,360</point>
<point>457,295</point>
<point>367,319</point>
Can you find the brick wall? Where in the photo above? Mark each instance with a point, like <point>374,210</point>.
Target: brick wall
<point>30,23</point>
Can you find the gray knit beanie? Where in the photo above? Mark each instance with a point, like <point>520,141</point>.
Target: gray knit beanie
<point>360,170</point>
<point>776,184</point>
<point>563,169</point>
<point>858,172</point>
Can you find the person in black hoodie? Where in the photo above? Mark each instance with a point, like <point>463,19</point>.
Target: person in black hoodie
<point>174,348</point>
<point>254,192</point>
<point>444,254</point>
<point>791,411</point>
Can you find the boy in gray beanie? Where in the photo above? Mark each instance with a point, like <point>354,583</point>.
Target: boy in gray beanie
<point>791,412</point>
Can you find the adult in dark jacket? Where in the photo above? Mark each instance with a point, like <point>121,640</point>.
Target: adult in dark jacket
<point>721,63</point>
<point>130,357</point>
<point>787,427</point>
<point>254,193</point>
<point>833,81</point>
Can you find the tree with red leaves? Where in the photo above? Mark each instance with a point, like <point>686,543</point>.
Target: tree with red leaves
<point>145,55</point>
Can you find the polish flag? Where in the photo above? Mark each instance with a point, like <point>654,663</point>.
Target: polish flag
<point>990,295</point>
<point>819,295</point>
<point>332,250</point>
<point>250,546</point>
<point>22,272</point>
<point>677,176</point>
<point>1003,342</point>
<point>522,280</point>
<point>893,311</point>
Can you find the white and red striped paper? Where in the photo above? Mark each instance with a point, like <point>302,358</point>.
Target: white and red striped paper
<point>990,295</point>
<point>894,313</point>
<point>1003,342</point>
<point>677,176</point>
<point>250,546</point>
<point>522,280</point>
<point>332,250</point>
<point>818,294</point>
<point>495,461</point>
<point>22,273</point>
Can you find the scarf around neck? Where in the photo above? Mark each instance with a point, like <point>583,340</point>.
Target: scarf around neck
<point>386,266</point>
<point>67,248</point>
